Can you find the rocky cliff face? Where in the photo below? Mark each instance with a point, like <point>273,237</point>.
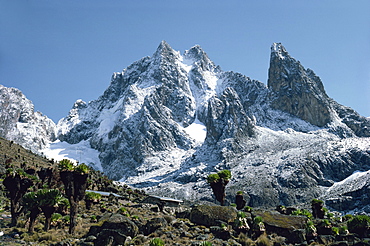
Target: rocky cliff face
<point>297,90</point>
<point>167,121</point>
<point>20,123</point>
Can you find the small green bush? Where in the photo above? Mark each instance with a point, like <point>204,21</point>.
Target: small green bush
<point>66,218</point>
<point>303,212</point>
<point>241,214</point>
<point>257,219</point>
<point>206,243</point>
<point>359,224</point>
<point>343,230</point>
<point>56,217</point>
<point>92,196</point>
<point>325,222</point>
<point>348,217</point>
<point>93,218</point>
<point>335,230</point>
<point>156,242</point>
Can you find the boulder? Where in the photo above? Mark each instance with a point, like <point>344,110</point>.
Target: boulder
<point>108,237</point>
<point>154,224</point>
<point>118,223</point>
<point>211,215</point>
<point>288,226</point>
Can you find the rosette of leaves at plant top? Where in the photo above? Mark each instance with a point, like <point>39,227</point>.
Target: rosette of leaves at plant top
<point>29,200</point>
<point>49,200</point>
<point>257,220</point>
<point>325,223</point>
<point>82,168</point>
<point>225,174</point>
<point>241,214</point>
<point>12,172</point>
<point>31,203</point>
<point>317,201</point>
<point>123,211</point>
<point>318,209</point>
<point>212,178</point>
<point>66,165</point>
<point>50,197</point>
<point>343,230</point>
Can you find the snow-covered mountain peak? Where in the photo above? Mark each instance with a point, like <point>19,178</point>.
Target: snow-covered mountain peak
<point>19,121</point>
<point>278,50</point>
<point>165,53</point>
<point>200,58</point>
<point>172,119</point>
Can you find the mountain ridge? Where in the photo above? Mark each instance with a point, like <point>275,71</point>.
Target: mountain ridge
<point>286,142</point>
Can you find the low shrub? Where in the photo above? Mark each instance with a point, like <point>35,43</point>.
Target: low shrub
<point>206,243</point>
<point>156,242</point>
<point>359,224</point>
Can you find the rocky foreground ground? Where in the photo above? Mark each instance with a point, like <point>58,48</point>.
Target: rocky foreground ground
<point>126,221</point>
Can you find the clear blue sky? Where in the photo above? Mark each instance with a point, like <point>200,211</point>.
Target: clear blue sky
<point>58,51</point>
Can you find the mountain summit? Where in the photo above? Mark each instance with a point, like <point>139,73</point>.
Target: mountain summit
<point>167,121</point>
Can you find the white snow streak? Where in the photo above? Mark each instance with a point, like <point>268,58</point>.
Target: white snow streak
<point>81,152</point>
<point>197,131</point>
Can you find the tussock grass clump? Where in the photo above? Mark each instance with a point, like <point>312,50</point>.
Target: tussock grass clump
<point>263,241</point>
<point>244,240</point>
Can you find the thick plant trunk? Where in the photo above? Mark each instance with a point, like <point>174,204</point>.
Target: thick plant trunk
<point>48,212</point>
<point>75,187</point>
<point>33,216</point>
<point>16,187</point>
<point>14,212</point>
<point>218,189</point>
<point>88,204</point>
<point>73,216</point>
<point>240,202</point>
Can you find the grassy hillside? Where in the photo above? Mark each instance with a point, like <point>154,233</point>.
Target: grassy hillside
<point>19,156</point>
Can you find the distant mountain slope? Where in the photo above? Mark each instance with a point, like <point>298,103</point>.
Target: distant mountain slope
<point>19,121</point>
<point>18,156</point>
<point>167,121</point>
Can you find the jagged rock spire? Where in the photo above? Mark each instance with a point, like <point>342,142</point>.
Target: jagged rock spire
<point>297,90</point>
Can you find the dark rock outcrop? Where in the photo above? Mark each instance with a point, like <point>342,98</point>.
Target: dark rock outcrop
<point>114,230</point>
<point>297,90</point>
<point>212,215</point>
